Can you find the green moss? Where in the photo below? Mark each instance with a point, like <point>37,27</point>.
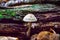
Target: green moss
<point>1,16</point>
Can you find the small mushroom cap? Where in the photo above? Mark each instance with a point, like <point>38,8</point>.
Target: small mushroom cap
<point>29,18</point>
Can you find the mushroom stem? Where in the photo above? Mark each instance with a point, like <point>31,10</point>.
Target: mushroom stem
<point>29,29</point>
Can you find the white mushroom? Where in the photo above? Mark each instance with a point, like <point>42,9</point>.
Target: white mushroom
<point>29,18</point>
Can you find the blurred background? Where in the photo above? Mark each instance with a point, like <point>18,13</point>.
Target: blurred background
<point>12,12</point>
